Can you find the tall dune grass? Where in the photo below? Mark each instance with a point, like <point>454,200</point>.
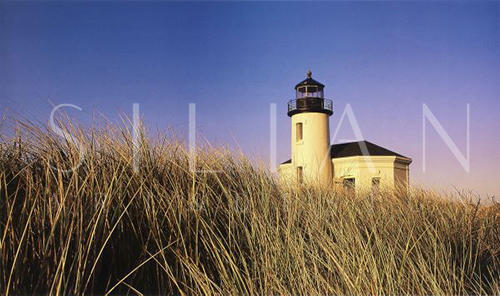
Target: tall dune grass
<point>104,228</point>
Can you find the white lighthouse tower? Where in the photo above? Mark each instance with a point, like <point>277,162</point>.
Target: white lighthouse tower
<point>310,113</point>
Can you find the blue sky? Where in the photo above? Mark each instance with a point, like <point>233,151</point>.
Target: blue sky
<point>233,59</point>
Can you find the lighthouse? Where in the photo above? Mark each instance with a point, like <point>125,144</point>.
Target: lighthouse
<point>310,141</point>
<point>353,166</point>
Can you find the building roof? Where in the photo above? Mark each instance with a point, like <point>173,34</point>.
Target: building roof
<point>355,149</point>
<point>310,82</point>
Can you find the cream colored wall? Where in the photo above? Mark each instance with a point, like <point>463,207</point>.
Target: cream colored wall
<point>286,173</point>
<point>402,172</point>
<point>312,152</point>
<point>364,169</point>
<point>391,170</point>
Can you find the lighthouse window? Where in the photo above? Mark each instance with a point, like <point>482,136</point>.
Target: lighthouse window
<point>300,175</point>
<point>298,131</point>
<point>349,184</point>
<point>375,184</point>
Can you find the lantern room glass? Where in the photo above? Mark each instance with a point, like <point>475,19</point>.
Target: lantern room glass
<point>311,91</point>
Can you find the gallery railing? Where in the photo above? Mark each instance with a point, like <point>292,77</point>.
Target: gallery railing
<point>310,105</point>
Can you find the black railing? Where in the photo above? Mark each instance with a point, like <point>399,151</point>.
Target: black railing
<point>310,105</point>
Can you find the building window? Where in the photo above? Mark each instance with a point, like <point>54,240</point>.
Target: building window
<point>375,184</point>
<point>298,131</point>
<point>300,175</point>
<point>349,184</point>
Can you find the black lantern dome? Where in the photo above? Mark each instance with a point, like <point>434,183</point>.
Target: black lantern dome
<point>309,88</point>
<point>309,98</point>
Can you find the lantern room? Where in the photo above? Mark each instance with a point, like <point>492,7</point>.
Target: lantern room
<point>309,98</point>
<point>309,88</point>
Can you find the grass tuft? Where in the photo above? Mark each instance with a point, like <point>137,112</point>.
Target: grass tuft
<point>107,228</point>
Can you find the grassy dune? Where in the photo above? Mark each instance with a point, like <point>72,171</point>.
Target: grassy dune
<point>103,228</point>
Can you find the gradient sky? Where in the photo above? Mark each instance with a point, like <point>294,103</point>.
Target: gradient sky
<point>385,59</point>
